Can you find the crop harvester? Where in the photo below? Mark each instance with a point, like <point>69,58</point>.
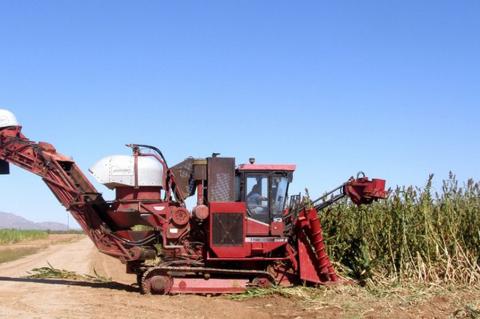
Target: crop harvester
<point>243,231</point>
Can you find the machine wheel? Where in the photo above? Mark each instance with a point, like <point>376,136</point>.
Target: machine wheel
<point>155,282</point>
<point>262,282</point>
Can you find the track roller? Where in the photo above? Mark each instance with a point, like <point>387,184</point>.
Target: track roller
<point>155,282</point>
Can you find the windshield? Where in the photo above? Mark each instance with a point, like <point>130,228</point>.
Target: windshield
<point>279,195</point>
<point>257,197</point>
<point>266,195</point>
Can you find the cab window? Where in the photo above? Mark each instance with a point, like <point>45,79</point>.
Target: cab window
<point>257,198</point>
<point>279,195</point>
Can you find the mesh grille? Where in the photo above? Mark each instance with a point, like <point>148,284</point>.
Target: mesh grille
<point>221,179</point>
<point>222,188</point>
<point>227,229</point>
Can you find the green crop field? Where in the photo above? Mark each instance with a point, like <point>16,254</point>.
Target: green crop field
<point>10,236</point>
<point>417,234</point>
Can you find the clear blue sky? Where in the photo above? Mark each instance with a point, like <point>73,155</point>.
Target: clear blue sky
<point>388,87</point>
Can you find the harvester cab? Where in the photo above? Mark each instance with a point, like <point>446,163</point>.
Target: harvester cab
<point>264,189</point>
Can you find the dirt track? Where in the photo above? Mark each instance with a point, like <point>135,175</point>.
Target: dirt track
<point>37,298</point>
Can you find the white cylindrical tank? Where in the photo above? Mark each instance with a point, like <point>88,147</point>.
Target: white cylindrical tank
<point>119,170</point>
<point>7,119</point>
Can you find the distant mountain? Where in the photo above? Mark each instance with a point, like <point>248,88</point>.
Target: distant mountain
<point>8,220</point>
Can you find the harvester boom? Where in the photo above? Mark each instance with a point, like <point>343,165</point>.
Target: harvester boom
<point>69,185</point>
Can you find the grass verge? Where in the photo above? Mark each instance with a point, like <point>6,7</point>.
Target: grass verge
<point>17,253</point>
<point>16,248</point>
<point>11,236</point>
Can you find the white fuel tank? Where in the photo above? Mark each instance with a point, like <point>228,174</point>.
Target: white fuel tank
<point>7,119</point>
<point>119,170</point>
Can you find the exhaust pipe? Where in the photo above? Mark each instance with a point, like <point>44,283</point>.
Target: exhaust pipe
<point>4,167</point>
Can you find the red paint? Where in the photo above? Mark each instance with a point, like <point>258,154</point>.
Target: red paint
<point>256,228</point>
<point>201,212</point>
<point>309,226</point>
<point>238,251</point>
<point>129,193</point>
<point>277,228</point>
<point>306,257</point>
<point>364,191</point>
<point>204,286</point>
<point>267,167</point>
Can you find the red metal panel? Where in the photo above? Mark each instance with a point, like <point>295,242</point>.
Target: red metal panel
<point>227,207</point>
<point>256,228</point>
<point>268,247</point>
<point>132,193</point>
<point>309,225</point>
<point>204,286</point>
<point>364,191</point>
<point>277,228</point>
<point>306,258</point>
<point>267,167</point>
<point>229,251</point>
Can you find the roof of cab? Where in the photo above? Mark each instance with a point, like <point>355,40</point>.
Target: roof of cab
<point>267,167</point>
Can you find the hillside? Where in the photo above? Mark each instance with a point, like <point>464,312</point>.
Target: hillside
<point>8,220</point>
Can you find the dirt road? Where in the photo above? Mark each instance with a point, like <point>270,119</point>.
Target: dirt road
<point>41,298</point>
<point>21,297</point>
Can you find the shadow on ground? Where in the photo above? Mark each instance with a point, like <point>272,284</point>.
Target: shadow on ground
<point>107,285</point>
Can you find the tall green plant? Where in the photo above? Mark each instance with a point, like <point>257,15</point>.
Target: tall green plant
<point>414,234</point>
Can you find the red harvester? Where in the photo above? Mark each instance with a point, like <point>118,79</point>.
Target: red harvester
<point>243,232</point>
